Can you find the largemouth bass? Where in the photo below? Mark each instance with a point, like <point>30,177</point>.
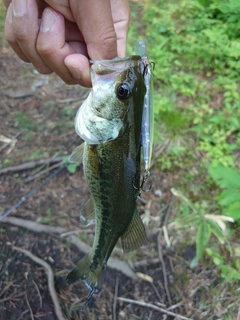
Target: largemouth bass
<point>110,121</point>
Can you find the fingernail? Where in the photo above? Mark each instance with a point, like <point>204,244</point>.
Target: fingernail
<point>19,7</point>
<point>48,20</point>
<point>76,71</point>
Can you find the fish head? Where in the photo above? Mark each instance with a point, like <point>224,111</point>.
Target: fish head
<point>116,87</point>
<point>113,83</point>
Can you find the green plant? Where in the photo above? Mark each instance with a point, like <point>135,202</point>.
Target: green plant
<point>71,167</point>
<point>195,46</point>
<point>2,21</point>
<point>229,199</point>
<point>25,122</point>
<point>199,217</point>
<point>229,265</point>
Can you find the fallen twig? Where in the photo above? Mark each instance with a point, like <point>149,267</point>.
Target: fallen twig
<point>8,142</point>
<point>22,314</point>
<point>13,296</point>
<point>166,218</point>
<point>33,226</point>
<point>31,164</point>
<point>158,295</point>
<point>163,268</point>
<point>6,288</point>
<point>30,309</point>
<point>152,306</point>
<point>39,294</point>
<point>19,95</point>
<point>7,264</point>
<point>174,306</point>
<point>42,172</point>
<point>50,276</point>
<point>145,262</point>
<point>115,299</point>
<point>23,199</point>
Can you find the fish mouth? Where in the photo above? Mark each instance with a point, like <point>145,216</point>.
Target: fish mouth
<point>84,133</point>
<point>117,64</point>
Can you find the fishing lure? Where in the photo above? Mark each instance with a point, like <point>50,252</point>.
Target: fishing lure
<point>148,116</point>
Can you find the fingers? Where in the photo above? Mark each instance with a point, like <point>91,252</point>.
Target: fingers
<point>53,49</point>
<point>55,44</point>
<point>9,34</point>
<point>21,30</point>
<point>121,14</point>
<point>79,67</point>
<point>94,19</point>
<point>44,42</point>
<point>61,6</point>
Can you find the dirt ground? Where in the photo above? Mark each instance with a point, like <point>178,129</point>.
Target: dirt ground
<point>36,123</point>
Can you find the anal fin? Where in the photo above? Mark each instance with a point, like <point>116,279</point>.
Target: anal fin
<point>135,235</point>
<point>87,213</point>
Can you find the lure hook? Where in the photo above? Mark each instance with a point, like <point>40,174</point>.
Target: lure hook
<point>93,291</point>
<point>146,66</point>
<point>146,174</point>
<point>152,65</point>
<point>140,189</point>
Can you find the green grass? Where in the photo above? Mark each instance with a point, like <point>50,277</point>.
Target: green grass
<point>2,21</point>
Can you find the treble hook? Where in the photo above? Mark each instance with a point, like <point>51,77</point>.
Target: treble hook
<point>146,174</point>
<point>152,64</point>
<point>147,65</point>
<point>93,291</point>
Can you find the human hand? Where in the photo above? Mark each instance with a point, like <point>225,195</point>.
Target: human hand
<point>63,35</point>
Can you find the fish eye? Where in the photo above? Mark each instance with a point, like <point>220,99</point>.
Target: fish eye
<point>123,91</point>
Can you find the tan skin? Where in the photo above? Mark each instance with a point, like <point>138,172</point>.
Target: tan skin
<point>61,36</point>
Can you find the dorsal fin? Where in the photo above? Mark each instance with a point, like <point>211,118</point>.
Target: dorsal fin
<point>77,154</point>
<point>87,213</point>
<point>135,235</point>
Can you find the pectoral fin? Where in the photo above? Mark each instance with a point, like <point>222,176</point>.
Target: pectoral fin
<point>77,154</point>
<point>135,235</point>
<point>87,213</point>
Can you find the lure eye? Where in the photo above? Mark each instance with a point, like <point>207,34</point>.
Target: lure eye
<point>123,91</point>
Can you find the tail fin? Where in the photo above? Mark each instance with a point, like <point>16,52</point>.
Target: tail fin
<point>93,278</point>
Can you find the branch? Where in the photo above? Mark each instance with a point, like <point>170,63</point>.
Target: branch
<point>23,199</point>
<point>33,226</point>
<point>152,306</point>
<point>163,268</point>
<point>31,164</point>
<point>50,276</point>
